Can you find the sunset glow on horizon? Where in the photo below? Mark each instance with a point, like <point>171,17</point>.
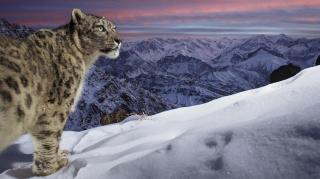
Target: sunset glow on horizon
<point>138,18</point>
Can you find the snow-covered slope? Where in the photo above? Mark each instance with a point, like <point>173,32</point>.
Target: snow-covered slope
<point>301,52</point>
<point>270,132</point>
<point>262,61</point>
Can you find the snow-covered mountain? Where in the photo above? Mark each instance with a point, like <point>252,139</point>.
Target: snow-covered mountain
<point>180,76</point>
<point>161,74</point>
<point>302,52</point>
<point>14,30</point>
<point>107,99</point>
<point>269,132</point>
<point>155,49</point>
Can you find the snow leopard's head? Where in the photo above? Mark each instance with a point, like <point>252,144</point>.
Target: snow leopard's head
<point>95,35</point>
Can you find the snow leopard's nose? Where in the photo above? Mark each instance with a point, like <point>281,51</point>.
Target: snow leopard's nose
<point>117,40</point>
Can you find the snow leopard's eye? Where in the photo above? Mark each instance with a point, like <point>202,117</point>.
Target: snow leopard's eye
<point>101,28</point>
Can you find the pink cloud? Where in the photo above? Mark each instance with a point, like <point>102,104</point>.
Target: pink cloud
<point>168,14</point>
<point>197,7</point>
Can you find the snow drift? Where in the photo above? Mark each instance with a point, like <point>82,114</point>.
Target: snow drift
<point>270,132</point>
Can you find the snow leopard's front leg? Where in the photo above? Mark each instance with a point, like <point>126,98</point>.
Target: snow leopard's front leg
<point>48,158</point>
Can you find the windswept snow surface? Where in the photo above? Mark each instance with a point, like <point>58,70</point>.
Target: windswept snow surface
<point>270,132</point>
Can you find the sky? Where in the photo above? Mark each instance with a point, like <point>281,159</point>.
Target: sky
<point>173,18</point>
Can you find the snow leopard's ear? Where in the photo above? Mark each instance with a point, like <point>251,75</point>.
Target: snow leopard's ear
<point>77,15</point>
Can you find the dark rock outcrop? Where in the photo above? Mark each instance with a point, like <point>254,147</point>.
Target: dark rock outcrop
<point>284,72</point>
<point>318,61</point>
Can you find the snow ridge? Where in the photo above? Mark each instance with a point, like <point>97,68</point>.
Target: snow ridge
<point>269,132</point>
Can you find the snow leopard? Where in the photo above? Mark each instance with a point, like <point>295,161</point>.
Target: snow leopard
<point>41,78</point>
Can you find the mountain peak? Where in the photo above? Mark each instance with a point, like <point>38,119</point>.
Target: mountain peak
<point>14,30</point>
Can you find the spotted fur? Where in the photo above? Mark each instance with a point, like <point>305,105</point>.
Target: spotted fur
<point>40,77</point>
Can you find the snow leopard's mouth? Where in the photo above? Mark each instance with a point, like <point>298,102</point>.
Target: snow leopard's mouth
<point>112,53</point>
<point>107,50</point>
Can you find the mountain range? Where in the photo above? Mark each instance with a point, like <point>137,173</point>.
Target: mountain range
<point>185,72</point>
<point>158,74</point>
<point>14,30</point>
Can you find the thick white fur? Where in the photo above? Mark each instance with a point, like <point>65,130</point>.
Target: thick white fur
<point>113,54</point>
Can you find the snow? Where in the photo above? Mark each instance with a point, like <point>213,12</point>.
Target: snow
<point>155,49</point>
<point>270,132</point>
<point>184,72</point>
<point>263,60</point>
